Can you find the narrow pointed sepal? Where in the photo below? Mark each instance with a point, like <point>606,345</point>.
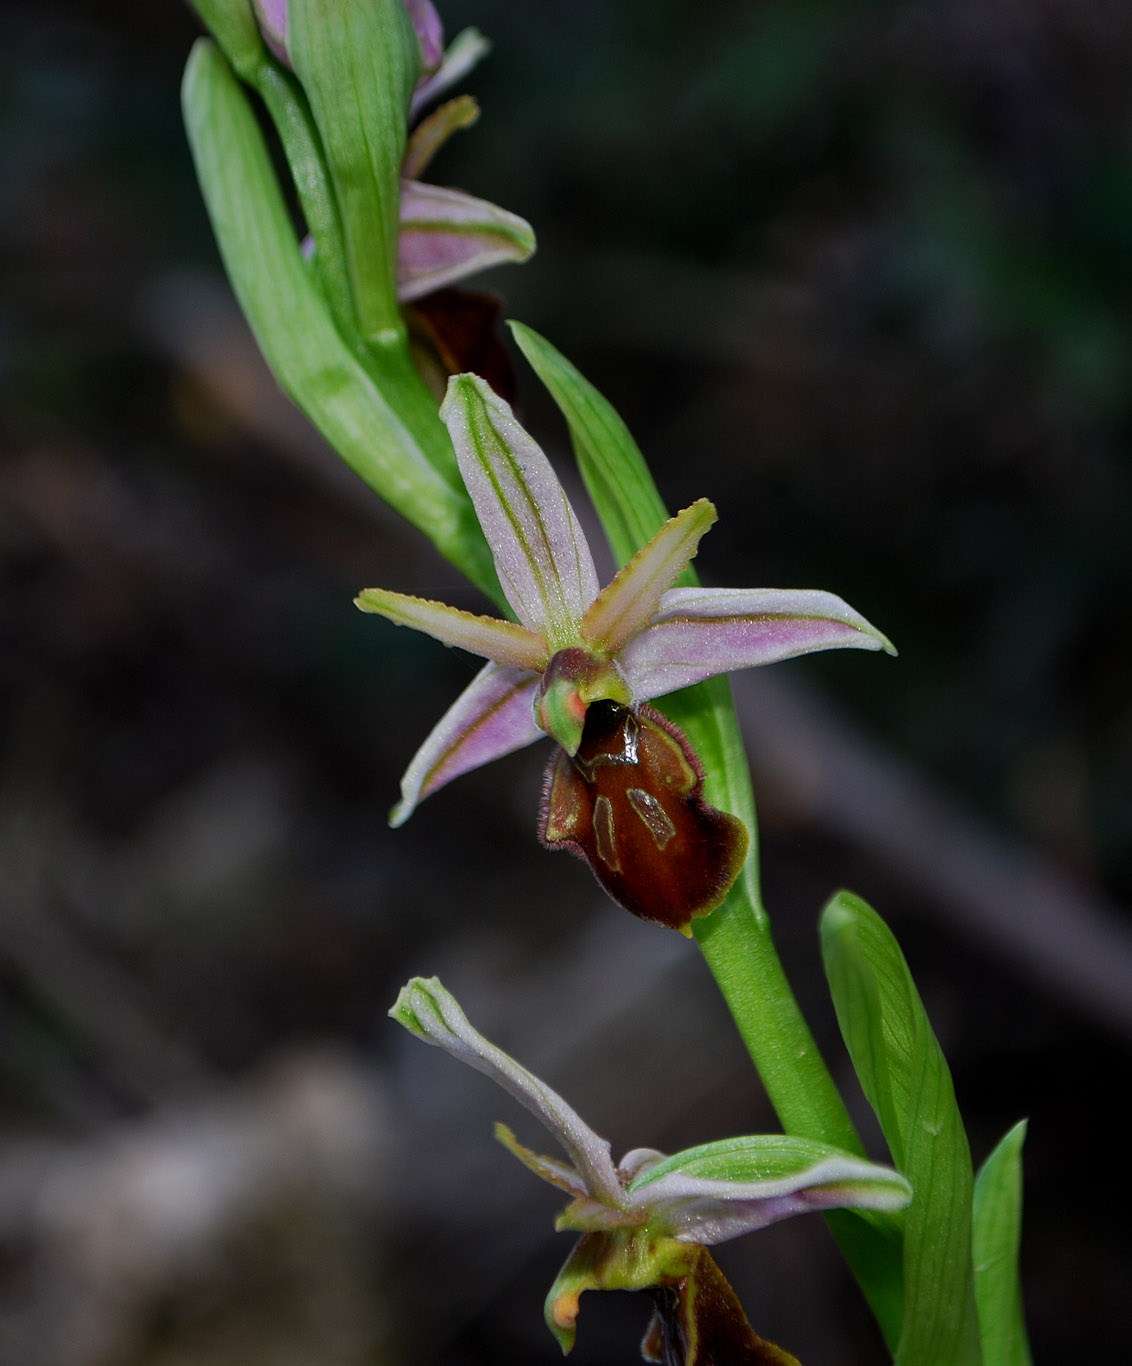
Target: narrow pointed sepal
<point>433,1014</point>
<point>542,558</point>
<point>700,632</point>
<point>447,235</point>
<point>645,1223</point>
<point>624,606</point>
<point>629,803</point>
<point>492,717</point>
<point>501,641</point>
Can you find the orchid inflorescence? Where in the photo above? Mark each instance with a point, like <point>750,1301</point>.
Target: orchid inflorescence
<point>354,308</point>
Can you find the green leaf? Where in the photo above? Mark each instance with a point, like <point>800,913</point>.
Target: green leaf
<point>995,1237</point>
<point>735,940</point>
<point>233,25</point>
<point>291,114</point>
<point>611,464</point>
<point>906,1080</point>
<point>293,326</point>
<point>357,61</point>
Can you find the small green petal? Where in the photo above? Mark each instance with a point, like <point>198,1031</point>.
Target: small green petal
<point>501,641</point>
<point>624,606</point>
<point>433,132</point>
<point>557,1173</point>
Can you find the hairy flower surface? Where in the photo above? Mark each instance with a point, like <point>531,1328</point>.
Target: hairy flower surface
<point>635,781</point>
<point>646,1221</point>
<point>624,792</point>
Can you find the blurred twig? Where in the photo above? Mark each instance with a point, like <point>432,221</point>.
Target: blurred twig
<point>97,998</point>
<point>1011,898</point>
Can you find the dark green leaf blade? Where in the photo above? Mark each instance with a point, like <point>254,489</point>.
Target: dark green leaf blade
<point>907,1082</point>
<point>611,464</point>
<point>996,1234</point>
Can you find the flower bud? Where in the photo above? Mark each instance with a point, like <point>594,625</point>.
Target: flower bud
<point>233,25</point>
<point>272,16</point>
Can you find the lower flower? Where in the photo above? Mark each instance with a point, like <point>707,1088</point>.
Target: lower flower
<point>646,1222</point>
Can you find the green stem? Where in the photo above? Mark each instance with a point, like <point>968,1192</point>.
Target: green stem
<point>738,946</point>
<point>736,939</point>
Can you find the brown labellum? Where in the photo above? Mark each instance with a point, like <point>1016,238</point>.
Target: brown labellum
<point>698,1321</point>
<point>629,803</point>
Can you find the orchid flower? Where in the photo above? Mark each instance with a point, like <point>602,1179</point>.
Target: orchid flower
<point>581,661</point>
<point>646,1222</point>
<point>446,235</point>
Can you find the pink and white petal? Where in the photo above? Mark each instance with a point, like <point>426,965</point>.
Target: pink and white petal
<point>542,558</point>
<point>700,1210</point>
<point>434,1015</point>
<point>464,52</point>
<point>501,641</point>
<point>272,17</point>
<point>625,604</point>
<point>430,32</point>
<point>446,235</point>
<point>709,1220</point>
<point>493,716</point>
<point>700,632</point>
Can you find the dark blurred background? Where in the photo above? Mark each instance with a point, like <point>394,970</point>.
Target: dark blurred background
<point>862,273</point>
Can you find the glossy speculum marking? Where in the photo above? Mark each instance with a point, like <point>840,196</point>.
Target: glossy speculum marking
<point>629,803</point>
